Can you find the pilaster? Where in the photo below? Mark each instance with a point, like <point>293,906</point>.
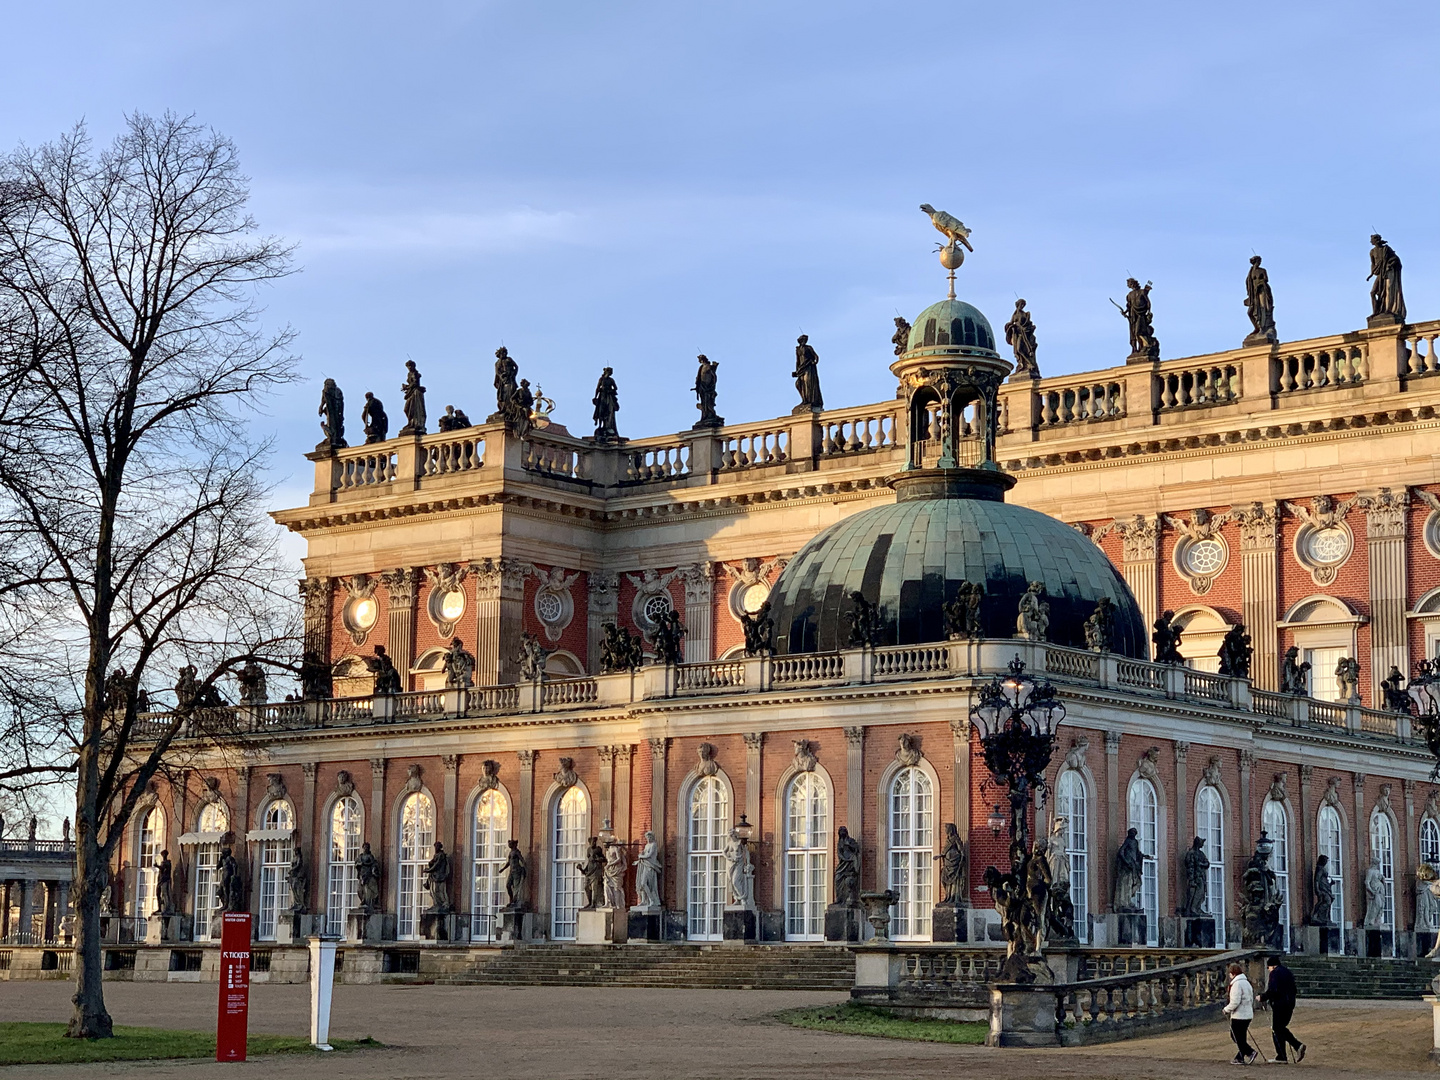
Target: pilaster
<point>1385,544</point>
<point>1141,542</point>
<point>1405,870</point>
<point>623,755</point>
<point>1259,589</point>
<point>1360,828</point>
<point>306,840</point>
<point>1182,797</point>
<point>699,581</point>
<point>401,587</point>
<point>754,740</point>
<point>375,823</point>
<point>960,790</point>
<point>240,826</point>
<point>525,811</point>
<point>607,783</point>
<point>658,747</point>
<point>1309,843</point>
<point>317,594</point>
<point>446,831</point>
<point>602,607</point>
<point>499,619</point>
<point>1247,768</point>
<point>1112,817</point>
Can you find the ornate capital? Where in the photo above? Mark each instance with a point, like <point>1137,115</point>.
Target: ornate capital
<point>377,768</point>
<point>526,759</point>
<point>1112,742</point>
<point>451,762</point>
<point>658,746</point>
<point>604,591</point>
<point>606,754</point>
<point>1358,780</point>
<point>623,753</point>
<point>960,728</point>
<point>317,593</point>
<point>753,740</point>
<point>307,769</point>
<point>1141,538</point>
<point>1247,762</point>
<point>699,583</point>
<point>854,736</point>
<point>1307,774</point>
<point>1385,513</point>
<point>401,586</point>
<point>1259,526</point>
<point>1182,752</point>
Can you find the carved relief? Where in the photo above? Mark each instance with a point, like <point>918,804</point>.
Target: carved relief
<point>412,778</point>
<point>1332,792</point>
<point>1277,792</point>
<point>908,753</point>
<point>566,776</point>
<point>1149,765</point>
<point>447,596</point>
<point>489,775</point>
<point>344,786</point>
<point>274,785</point>
<point>1211,772</point>
<point>805,759</point>
<point>1324,542</point>
<point>1075,759</point>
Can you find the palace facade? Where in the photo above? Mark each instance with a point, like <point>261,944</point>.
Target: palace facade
<point>1291,488</point>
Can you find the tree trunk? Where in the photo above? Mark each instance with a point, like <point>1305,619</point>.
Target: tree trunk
<point>90,1020</point>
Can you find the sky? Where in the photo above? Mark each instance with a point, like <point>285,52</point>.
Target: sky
<point>629,184</point>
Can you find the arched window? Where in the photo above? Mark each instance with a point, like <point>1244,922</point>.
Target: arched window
<point>1332,846</point>
<point>807,857</point>
<point>1276,824</point>
<point>705,873</point>
<point>1428,911</point>
<point>571,817</point>
<point>214,821</point>
<point>1071,803</point>
<point>147,862</point>
<point>1210,827</point>
<point>274,862</point>
<point>417,839</point>
<point>1382,850</point>
<point>1145,820</point>
<point>490,843</point>
<point>912,853</point>
<point>341,883</point>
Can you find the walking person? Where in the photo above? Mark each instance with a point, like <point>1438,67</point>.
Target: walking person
<point>1280,995</point>
<point>1241,1010</point>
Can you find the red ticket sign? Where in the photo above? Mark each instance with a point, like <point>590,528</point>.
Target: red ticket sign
<point>231,1028</point>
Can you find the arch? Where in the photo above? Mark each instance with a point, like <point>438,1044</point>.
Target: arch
<point>708,811</point>
<point>1330,842</point>
<point>564,664</point>
<point>1275,823</point>
<point>908,841</point>
<point>212,821</point>
<point>1074,799</point>
<point>567,829</point>
<point>805,813</point>
<point>1210,818</point>
<point>344,833</point>
<point>735,652</point>
<point>149,842</point>
<point>1142,800</point>
<point>1427,611</point>
<point>490,814</point>
<point>277,816</point>
<point>1382,853</point>
<point>429,669</point>
<point>1427,910</point>
<point>351,677</point>
<point>415,840</point>
<point>1203,629</point>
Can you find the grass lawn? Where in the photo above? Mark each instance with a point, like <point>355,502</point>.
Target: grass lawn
<point>851,1019</point>
<point>45,1044</point>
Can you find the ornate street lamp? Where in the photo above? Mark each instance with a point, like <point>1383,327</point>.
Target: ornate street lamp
<point>1424,699</point>
<point>1017,717</point>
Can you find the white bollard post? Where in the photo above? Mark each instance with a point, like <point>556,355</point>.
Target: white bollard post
<point>322,985</point>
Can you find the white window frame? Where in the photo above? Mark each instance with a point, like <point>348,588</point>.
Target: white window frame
<point>1144,818</point>
<point>706,884</point>
<point>274,863</point>
<point>569,822</point>
<point>1210,825</point>
<point>1330,832</point>
<point>911,870</point>
<point>1382,850</point>
<point>1072,802</point>
<point>417,842</point>
<point>489,847</point>
<point>1275,822</point>
<point>343,845</point>
<point>214,818</point>
<point>807,856</point>
<point>148,842</point>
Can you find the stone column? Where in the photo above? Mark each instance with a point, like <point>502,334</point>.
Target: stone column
<point>1259,531</point>
<point>623,754</point>
<point>602,607</point>
<point>375,826</point>
<point>753,742</point>
<point>1141,536</point>
<point>309,849</point>
<point>960,789</point>
<point>62,906</point>
<point>1385,544</point>
<point>239,826</point>
<point>448,812</point>
<point>525,812</point>
<point>1361,829</point>
<point>1412,860</point>
<point>317,594</point>
<point>607,784</point>
<point>855,785</point>
<point>1309,843</point>
<point>401,587</point>
<point>1112,817</point>
<point>1247,766</point>
<point>699,581</point>
<point>27,908</point>
<point>1182,798</point>
<point>658,746</point>
<point>499,612</point>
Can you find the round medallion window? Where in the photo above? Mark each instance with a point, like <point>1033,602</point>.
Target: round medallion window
<point>1329,545</point>
<point>1205,557</point>
<point>753,598</point>
<point>452,605</point>
<point>656,606</point>
<point>549,607</point>
<point>363,611</point>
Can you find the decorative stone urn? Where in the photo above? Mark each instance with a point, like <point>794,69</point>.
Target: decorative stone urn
<point>877,911</point>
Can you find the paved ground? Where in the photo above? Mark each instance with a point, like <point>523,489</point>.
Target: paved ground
<point>532,1033</point>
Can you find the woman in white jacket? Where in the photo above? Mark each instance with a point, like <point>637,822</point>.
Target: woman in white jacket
<point>1241,1010</point>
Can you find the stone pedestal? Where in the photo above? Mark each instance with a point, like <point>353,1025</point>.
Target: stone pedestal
<point>645,924</point>
<point>740,927</point>
<point>515,926</point>
<point>1318,940</point>
<point>1130,928</point>
<point>294,927</point>
<point>363,929</point>
<point>601,926</point>
<point>440,926</point>
<point>1023,1016</point>
<point>1425,942</point>
<point>1199,932</point>
<point>154,930</point>
<point>1379,942</point>
<point>843,923</point>
<point>950,923</point>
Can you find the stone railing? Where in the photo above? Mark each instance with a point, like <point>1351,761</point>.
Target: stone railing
<point>809,667</point>
<point>1421,356</point>
<point>1339,365</point>
<point>751,447</point>
<point>644,464</point>
<point>546,457</point>
<point>855,431</point>
<point>1210,384</point>
<point>40,848</point>
<point>568,692</point>
<point>715,675</point>
<point>907,661</point>
<point>365,466</point>
<point>1081,403</point>
<point>451,452</point>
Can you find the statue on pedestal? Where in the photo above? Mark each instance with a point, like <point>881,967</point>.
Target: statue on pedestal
<point>387,678</point>
<point>1196,865</point>
<point>647,874</point>
<point>962,614</point>
<point>230,892</point>
<point>592,875</point>
<point>620,650</point>
<point>847,869</point>
<point>705,381</point>
<point>1347,680</point>
<point>1387,298</point>
<point>506,372</point>
<point>807,377</point>
<point>515,874</point>
<point>901,338</point>
<point>298,879</point>
<point>252,682</point>
<point>615,875</point>
<point>377,424</point>
<point>531,658</point>
<point>165,885</point>
<point>367,875</point>
<point>669,631</point>
<point>316,681</point>
<point>1144,345</point>
<point>1129,872</point>
<point>1033,621</point>
<point>414,401</point>
<point>1060,918</point>
<point>759,631</point>
<point>1375,898</point>
<point>459,666</point>
<point>1392,689</point>
<point>1236,652</point>
<point>437,880</point>
<point>954,866</point>
<point>1020,336</point>
<point>1166,639</point>
<point>332,417</point>
<point>864,620</point>
<point>1260,899</point>
<point>1294,675</point>
<point>741,871</point>
<point>607,404</point>
<point>1324,891</point>
<point>1260,304</point>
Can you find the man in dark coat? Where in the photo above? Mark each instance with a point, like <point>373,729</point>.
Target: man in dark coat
<point>1280,995</point>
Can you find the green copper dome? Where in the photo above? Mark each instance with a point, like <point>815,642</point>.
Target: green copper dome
<point>910,558</point>
<point>953,324</point>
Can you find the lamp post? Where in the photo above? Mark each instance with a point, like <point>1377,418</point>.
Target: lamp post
<point>1017,717</point>
<point>1424,698</point>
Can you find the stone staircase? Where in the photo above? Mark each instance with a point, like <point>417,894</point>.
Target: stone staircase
<point>1361,977</point>
<point>758,967</point>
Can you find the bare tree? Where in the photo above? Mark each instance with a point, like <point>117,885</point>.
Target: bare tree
<point>131,496</point>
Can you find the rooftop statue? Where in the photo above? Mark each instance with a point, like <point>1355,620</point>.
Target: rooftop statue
<point>1167,640</point>
<point>387,678</point>
<point>453,419</point>
<point>807,377</point>
<point>901,337</point>
<point>377,424</point>
<point>459,666</point>
<point>506,372</point>
<point>1387,299</point>
<point>1294,675</point>
<point>414,401</point>
<point>949,225</point>
<point>1100,626</point>
<point>1347,680</point>
<point>332,417</point>
<point>1144,345</point>
<point>1020,336</point>
<point>759,631</point>
<point>705,393</point>
<point>1033,620</point>
<point>1236,652</point>
<point>1260,303</point>
<point>607,404</point>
